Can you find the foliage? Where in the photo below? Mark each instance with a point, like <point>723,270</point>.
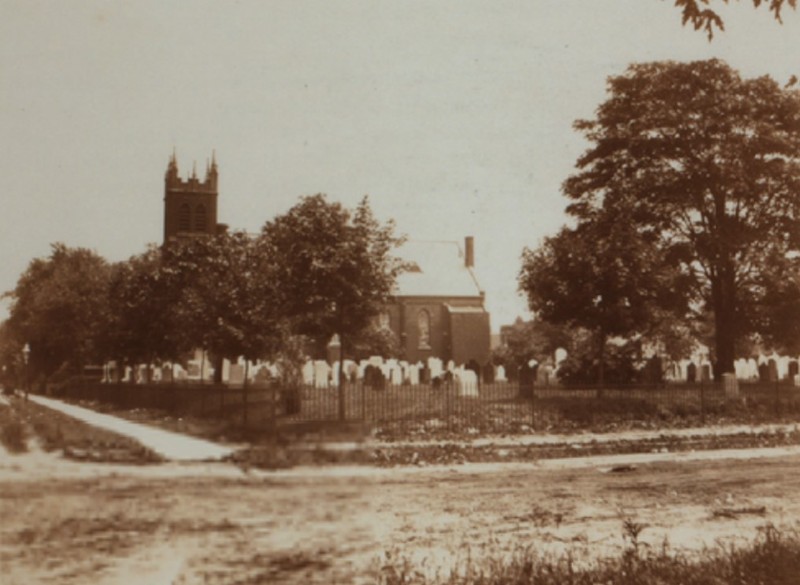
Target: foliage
<point>773,556</point>
<point>227,295</point>
<point>606,276</point>
<point>705,165</point>
<point>142,301</point>
<point>702,18</point>
<point>526,340</point>
<point>335,266</point>
<point>59,307</point>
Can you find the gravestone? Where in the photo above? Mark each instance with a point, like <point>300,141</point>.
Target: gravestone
<point>773,370</point>
<point>731,385</point>
<point>322,372</point>
<point>167,374</point>
<point>501,374</point>
<point>793,369</point>
<point>763,372</point>
<point>236,374</point>
<point>466,383</point>
<point>705,372</point>
<point>691,372</point>
<point>527,377</point>
<point>308,373</point>
<point>488,373</point>
<point>425,375</point>
<point>413,375</point>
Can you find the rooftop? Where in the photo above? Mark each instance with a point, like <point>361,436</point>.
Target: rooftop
<point>438,269</point>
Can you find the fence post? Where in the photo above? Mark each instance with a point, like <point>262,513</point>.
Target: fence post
<point>777,397</point>
<point>363,401</point>
<point>533,407</point>
<point>702,404</point>
<point>274,413</point>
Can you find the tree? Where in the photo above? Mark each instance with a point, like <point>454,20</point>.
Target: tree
<point>335,269</point>
<point>707,163</point>
<point>707,19</point>
<point>528,340</point>
<point>142,301</point>
<point>605,276</point>
<point>60,308</point>
<point>227,300</point>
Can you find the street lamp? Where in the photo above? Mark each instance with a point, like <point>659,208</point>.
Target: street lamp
<point>26,354</point>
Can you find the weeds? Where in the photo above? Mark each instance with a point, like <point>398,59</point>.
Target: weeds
<point>12,431</point>
<point>773,557</point>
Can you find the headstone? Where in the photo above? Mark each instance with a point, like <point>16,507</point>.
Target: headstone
<point>236,374</point>
<point>396,375</point>
<point>413,375</point>
<point>167,373</point>
<point>730,385</point>
<point>691,372</point>
<point>527,378</point>
<point>308,373</point>
<point>705,372</point>
<point>488,373</point>
<point>466,383</point>
<point>322,372</point>
<point>501,374</point>
<point>763,372</point>
<point>773,370</point>
<point>793,369</point>
<point>425,375</point>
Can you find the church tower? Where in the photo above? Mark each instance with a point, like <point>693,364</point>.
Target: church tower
<point>190,206</point>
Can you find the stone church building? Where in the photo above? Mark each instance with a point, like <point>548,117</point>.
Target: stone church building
<point>438,309</point>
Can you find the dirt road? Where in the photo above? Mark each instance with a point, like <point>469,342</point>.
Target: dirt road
<point>87,523</point>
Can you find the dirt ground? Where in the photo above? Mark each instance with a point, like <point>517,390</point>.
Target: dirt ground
<point>65,522</point>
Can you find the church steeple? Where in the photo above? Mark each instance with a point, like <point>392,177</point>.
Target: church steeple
<point>172,169</point>
<point>190,206</point>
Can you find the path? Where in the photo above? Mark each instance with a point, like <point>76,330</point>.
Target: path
<point>171,446</point>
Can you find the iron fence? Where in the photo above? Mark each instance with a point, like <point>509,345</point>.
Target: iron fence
<point>501,407</point>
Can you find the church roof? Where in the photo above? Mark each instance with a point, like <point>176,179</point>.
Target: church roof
<point>438,269</point>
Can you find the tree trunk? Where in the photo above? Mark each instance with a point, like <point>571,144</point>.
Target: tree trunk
<point>601,359</point>
<point>244,394</point>
<point>725,329</point>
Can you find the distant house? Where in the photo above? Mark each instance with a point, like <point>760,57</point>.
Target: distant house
<point>438,309</point>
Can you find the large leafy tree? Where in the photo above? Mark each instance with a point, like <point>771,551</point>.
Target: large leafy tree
<point>142,301</point>
<point>60,308</point>
<point>226,296</point>
<point>335,268</point>
<point>706,162</point>
<point>605,276</point>
<point>699,14</point>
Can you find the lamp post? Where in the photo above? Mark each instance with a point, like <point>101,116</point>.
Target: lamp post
<point>26,354</point>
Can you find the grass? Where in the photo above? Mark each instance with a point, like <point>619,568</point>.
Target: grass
<point>13,435</point>
<point>77,440</point>
<point>772,558</point>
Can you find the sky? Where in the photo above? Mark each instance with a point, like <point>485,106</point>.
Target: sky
<point>454,116</point>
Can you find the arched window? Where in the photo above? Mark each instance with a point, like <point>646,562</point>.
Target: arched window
<point>200,219</point>
<point>185,218</point>
<point>424,329</point>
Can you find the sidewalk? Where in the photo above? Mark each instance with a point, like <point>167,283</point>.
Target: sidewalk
<point>171,446</point>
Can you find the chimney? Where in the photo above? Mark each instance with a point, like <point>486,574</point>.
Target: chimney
<point>469,252</point>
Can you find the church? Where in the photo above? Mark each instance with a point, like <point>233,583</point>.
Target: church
<point>438,309</point>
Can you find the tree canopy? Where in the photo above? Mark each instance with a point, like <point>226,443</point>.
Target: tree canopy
<point>698,14</point>
<point>334,266</point>
<point>707,164</point>
<point>59,308</point>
